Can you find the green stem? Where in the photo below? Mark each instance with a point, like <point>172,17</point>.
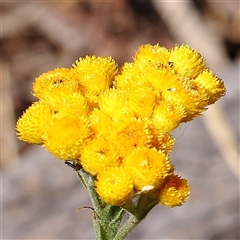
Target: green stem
<point>131,223</point>
<point>106,218</point>
<point>88,182</point>
<point>138,212</point>
<point>145,205</point>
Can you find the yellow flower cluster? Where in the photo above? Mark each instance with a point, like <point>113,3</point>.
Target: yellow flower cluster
<point>116,122</point>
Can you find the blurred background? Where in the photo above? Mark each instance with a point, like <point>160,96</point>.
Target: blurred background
<point>39,194</point>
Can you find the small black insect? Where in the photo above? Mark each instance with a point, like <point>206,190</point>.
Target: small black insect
<point>74,166</point>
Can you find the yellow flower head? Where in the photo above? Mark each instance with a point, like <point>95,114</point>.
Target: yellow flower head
<point>129,134</point>
<point>156,76</point>
<point>212,84</point>
<point>147,167</point>
<point>100,123</point>
<point>191,97</point>
<point>114,186</point>
<point>116,124</point>
<point>55,85</point>
<point>126,78</point>
<point>148,54</point>
<point>114,103</point>
<point>73,104</point>
<point>148,60</point>
<point>167,116</point>
<point>187,62</point>
<point>97,155</point>
<point>162,141</point>
<point>141,100</point>
<point>95,74</point>
<point>161,77</point>
<point>174,191</point>
<point>65,136</point>
<point>33,123</point>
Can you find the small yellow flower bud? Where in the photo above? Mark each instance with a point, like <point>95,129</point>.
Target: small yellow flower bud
<point>73,104</point>
<point>174,192</point>
<point>129,134</point>
<point>126,79</point>
<point>141,100</point>
<point>212,84</point>
<point>187,62</point>
<point>55,85</point>
<point>114,103</point>
<point>65,136</point>
<point>148,54</point>
<point>161,77</point>
<point>95,74</point>
<point>100,123</point>
<point>33,123</point>
<point>97,155</point>
<point>167,116</point>
<point>147,167</point>
<point>162,141</point>
<point>191,97</point>
<point>114,186</point>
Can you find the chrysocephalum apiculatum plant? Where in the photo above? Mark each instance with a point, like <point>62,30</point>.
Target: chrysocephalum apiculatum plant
<point>113,126</point>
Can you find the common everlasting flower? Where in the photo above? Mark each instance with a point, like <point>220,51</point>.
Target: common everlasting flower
<point>116,124</point>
